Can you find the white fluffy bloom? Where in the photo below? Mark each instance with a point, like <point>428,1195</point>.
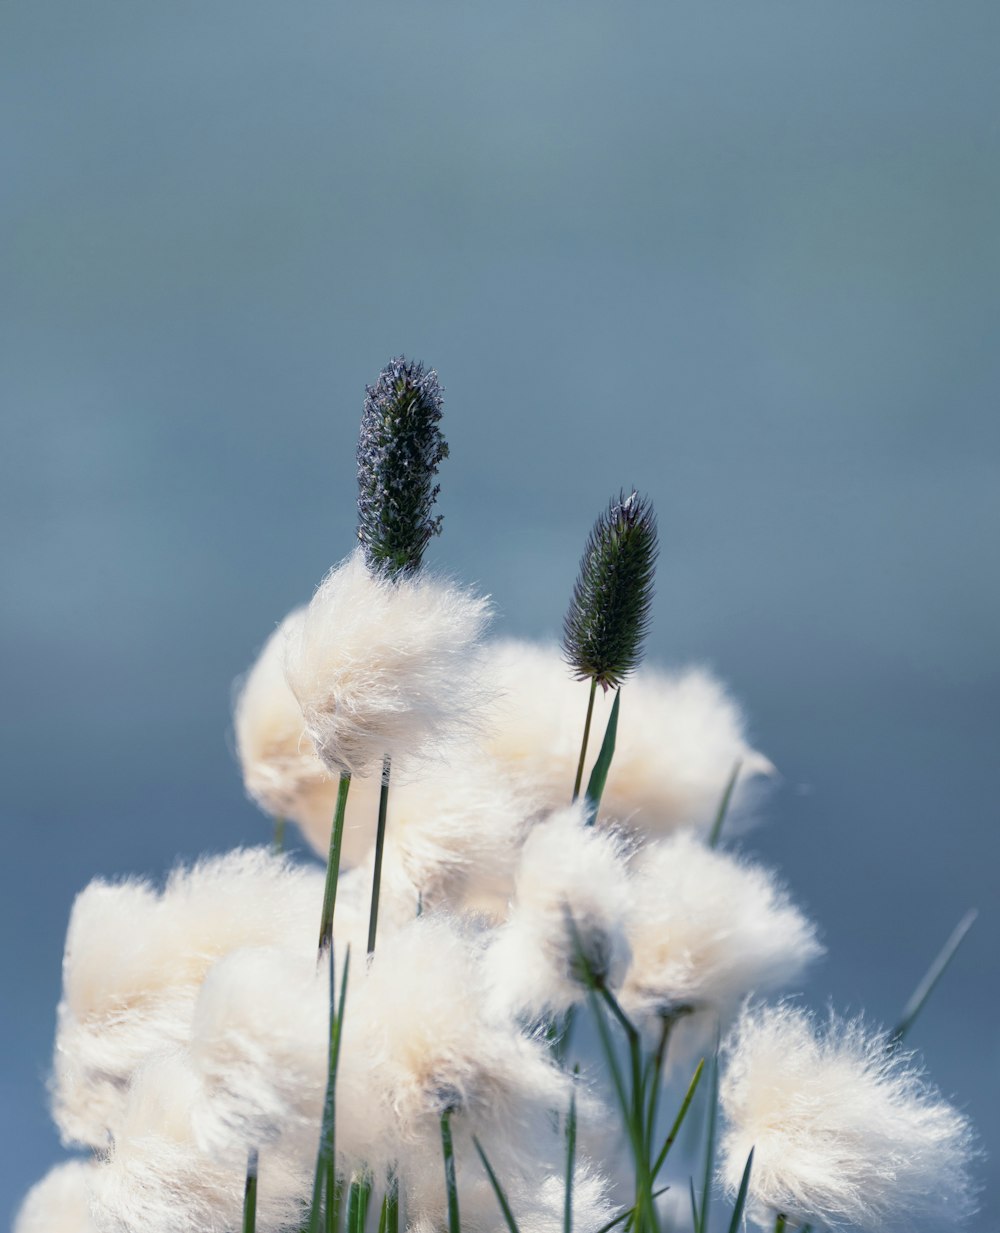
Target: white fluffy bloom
<point>385,667</point>
<point>157,1179</point>
<point>60,1202</point>
<point>135,959</point>
<point>572,894</point>
<point>281,769</point>
<point>707,929</point>
<point>679,737</point>
<point>259,1043</point>
<point>419,1040</point>
<point>845,1134</point>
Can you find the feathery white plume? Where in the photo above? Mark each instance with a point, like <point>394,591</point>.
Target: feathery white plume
<point>157,1179</point>
<point>259,1043</point>
<point>571,900</point>
<point>679,737</point>
<point>281,769</point>
<point>60,1202</point>
<point>385,667</point>
<point>707,929</point>
<point>134,961</point>
<point>846,1134</point>
<point>419,1040</point>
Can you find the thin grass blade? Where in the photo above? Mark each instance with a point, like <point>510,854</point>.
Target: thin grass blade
<point>727,795</point>
<point>498,1190</point>
<point>679,1119</point>
<point>741,1197</point>
<point>933,974</point>
<point>713,1110</point>
<point>570,1158</point>
<point>599,773</point>
<point>626,1212</point>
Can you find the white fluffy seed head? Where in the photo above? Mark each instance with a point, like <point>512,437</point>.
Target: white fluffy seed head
<point>679,737</point>
<point>135,959</point>
<point>572,898</point>
<point>60,1202</point>
<point>707,929</point>
<point>156,1178</point>
<point>259,1043</point>
<point>846,1134</point>
<point>281,769</point>
<point>419,1040</point>
<point>385,667</point>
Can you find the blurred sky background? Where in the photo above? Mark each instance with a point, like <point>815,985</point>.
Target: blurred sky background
<point>744,256</point>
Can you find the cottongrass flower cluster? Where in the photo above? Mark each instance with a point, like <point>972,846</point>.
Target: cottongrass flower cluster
<point>846,1131</point>
<point>526,954</point>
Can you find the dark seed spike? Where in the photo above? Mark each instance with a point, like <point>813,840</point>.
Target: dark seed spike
<point>608,616</point>
<point>399,450</point>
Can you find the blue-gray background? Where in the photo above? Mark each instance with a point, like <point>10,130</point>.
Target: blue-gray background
<point>742,255</point>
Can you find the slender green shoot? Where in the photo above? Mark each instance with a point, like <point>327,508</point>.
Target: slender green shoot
<point>713,1110</point>
<point>498,1190</point>
<point>570,1157</point>
<point>741,1197</point>
<point>586,738</point>
<point>933,974</point>
<point>655,1072</point>
<point>278,839</point>
<point>781,1224</point>
<point>383,806</point>
<point>599,773</point>
<point>333,866</point>
<point>250,1194</point>
<point>358,1197</point>
<point>727,796</point>
<point>679,1119</point>
<point>450,1181</point>
<point>627,1212</point>
<point>325,1179</point>
<point>695,1214</point>
<point>391,1204</point>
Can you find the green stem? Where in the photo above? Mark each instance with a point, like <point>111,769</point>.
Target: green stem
<point>357,1203</point>
<point>570,1158</point>
<point>666,1024</point>
<point>679,1119</point>
<point>448,1149</point>
<point>250,1194</point>
<point>383,806</point>
<point>586,738</point>
<point>278,841</point>
<point>333,866</point>
<point>727,796</point>
<point>780,1224</point>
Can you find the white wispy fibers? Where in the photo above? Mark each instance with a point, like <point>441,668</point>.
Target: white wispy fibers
<point>60,1202</point>
<point>455,840</point>
<point>679,737</point>
<point>385,666</point>
<point>572,900</point>
<point>846,1133</point>
<point>281,769</point>
<point>259,1043</point>
<point>419,1041</point>
<point>708,928</point>
<point>157,1179</point>
<point>134,961</point>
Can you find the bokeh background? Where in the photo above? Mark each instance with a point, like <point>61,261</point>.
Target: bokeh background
<point>744,256</point>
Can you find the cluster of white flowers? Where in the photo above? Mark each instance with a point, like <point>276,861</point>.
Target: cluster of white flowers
<point>194,1031</point>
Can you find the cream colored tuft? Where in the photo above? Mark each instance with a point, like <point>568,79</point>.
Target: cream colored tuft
<point>60,1202</point>
<point>572,895</point>
<point>281,769</point>
<point>134,962</point>
<point>679,737</point>
<point>383,667</point>
<point>846,1134</point>
<point>707,929</point>
<point>157,1179</point>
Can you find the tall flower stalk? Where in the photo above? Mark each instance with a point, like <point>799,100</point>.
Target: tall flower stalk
<point>608,617</point>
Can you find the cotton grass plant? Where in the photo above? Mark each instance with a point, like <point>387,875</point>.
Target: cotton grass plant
<point>525,995</point>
